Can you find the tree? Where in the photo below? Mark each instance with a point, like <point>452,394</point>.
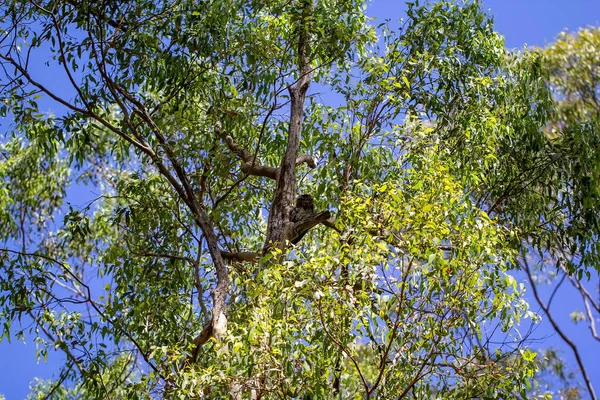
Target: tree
<point>191,274</point>
<point>574,67</point>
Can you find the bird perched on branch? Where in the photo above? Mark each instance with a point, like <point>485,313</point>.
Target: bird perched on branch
<point>304,217</point>
<point>305,206</point>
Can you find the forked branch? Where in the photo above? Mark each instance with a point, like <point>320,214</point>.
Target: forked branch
<point>251,166</point>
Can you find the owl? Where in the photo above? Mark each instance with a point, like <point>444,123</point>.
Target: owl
<point>305,208</point>
<point>304,217</point>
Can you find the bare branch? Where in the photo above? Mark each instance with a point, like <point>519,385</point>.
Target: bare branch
<point>251,167</point>
<point>242,256</point>
<point>587,301</point>
<point>558,330</point>
<point>590,318</point>
<point>308,159</point>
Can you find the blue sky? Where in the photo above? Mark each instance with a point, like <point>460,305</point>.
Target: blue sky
<point>522,22</point>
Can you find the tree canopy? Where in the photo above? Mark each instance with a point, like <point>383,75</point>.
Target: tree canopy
<point>430,159</point>
<point>573,67</point>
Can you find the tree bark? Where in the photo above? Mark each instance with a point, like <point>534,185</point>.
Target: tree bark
<point>279,231</point>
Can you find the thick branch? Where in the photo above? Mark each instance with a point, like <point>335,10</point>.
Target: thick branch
<point>242,256</point>
<point>278,228</point>
<point>219,293</point>
<point>252,167</point>
<point>302,227</point>
<point>179,182</point>
<point>218,325</point>
<point>308,159</point>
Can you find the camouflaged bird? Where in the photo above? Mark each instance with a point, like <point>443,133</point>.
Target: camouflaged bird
<point>304,218</point>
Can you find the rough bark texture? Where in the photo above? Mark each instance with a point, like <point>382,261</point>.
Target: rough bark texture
<point>279,230</point>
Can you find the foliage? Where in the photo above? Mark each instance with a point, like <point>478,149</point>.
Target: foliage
<point>554,378</point>
<point>192,122</point>
<point>572,140</point>
<point>573,65</point>
<point>398,291</point>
